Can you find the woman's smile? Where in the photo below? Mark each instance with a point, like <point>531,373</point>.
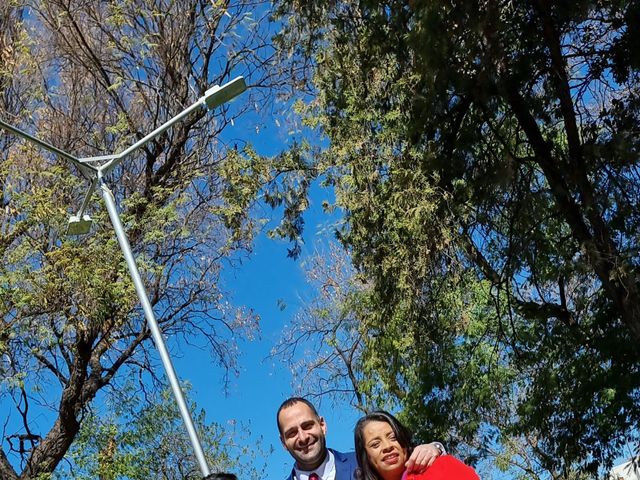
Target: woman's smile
<point>385,453</point>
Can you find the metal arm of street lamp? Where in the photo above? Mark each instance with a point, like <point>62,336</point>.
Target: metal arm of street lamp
<point>212,98</point>
<point>84,169</point>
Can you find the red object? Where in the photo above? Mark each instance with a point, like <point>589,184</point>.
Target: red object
<point>446,467</point>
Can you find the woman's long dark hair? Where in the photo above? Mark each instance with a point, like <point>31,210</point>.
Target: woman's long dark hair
<point>402,433</point>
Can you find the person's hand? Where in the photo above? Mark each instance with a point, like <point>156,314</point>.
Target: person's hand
<point>423,456</point>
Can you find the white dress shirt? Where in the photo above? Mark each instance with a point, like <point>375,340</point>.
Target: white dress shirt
<point>326,470</point>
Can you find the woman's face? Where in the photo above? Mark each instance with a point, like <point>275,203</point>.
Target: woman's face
<point>385,454</point>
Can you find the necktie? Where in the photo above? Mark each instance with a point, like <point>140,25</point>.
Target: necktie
<point>314,476</point>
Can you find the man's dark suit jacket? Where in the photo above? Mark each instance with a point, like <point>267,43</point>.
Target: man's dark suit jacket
<point>346,465</point>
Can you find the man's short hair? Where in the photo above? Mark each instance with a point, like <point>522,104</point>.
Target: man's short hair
<point>221,476</point>
<point>290,402</point>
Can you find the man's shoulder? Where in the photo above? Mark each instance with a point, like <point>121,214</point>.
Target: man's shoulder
<point>343,456</point>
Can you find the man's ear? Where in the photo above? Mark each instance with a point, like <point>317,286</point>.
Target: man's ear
<point>323,424</point>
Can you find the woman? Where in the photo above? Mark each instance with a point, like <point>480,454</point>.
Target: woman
<point>383,446</point>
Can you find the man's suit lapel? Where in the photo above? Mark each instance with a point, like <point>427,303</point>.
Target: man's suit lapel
<point>292,475</point>
<point>345,465</point>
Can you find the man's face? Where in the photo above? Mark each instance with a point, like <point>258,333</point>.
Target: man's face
<point>302,434</point>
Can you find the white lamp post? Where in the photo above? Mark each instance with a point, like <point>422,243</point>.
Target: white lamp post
<point>95,169</point>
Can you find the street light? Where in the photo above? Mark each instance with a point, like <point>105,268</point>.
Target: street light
<point>95,169</point>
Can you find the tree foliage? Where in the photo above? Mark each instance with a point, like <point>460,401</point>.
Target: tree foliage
<point>92,78</point>
<point>486,156</point>
<point>137,439</point>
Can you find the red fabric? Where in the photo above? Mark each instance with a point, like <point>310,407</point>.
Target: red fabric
<point>446,467</point>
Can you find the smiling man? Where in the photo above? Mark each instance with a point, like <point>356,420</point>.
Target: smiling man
<point>303,435</point>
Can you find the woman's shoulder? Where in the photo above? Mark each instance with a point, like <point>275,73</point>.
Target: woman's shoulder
<point>446,467</point>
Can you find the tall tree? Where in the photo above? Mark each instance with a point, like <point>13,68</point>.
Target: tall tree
<point>92,78</point>
<point>323,345</point>
<point>486,156</point>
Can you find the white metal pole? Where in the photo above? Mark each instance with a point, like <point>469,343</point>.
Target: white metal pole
<point>153,325</point>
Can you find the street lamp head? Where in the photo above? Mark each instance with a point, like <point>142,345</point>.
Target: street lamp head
<point>217,95</point>
<point>79,225</point>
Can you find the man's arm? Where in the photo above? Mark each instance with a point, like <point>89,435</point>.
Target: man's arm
<point>423,456</point>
